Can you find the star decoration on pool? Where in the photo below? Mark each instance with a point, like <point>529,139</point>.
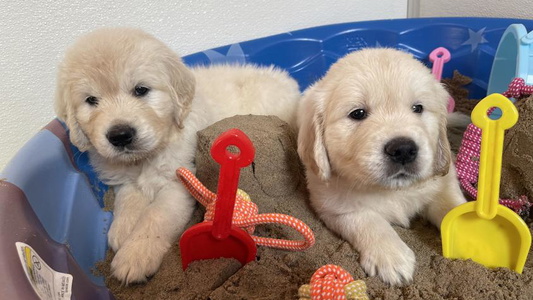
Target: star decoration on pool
<point>475,38</point>
<point>235,55</point>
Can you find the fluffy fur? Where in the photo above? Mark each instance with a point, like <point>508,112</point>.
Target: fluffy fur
<point>372,136</point>
<point>131,102</point>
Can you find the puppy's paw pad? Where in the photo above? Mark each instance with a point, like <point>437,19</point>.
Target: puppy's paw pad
<point>395,265</point>
<point>137,260</point>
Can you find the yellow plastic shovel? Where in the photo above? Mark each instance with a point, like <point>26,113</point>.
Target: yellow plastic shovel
<point>483,230</point>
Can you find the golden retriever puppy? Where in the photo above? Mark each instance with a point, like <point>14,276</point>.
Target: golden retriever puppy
<point>135,107</point>
<point>372,136</point>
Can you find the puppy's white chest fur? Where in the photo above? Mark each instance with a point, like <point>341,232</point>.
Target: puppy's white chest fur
<point>396,206</point>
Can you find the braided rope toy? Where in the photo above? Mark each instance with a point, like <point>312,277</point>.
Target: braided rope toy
<point>246,215</point>
<point>331,282</point>
<point>467,163</point>
<point>518,88</point>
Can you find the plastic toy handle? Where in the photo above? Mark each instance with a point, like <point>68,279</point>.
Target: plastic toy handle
<point>230,168</point>
<point>490,162</point>
<point>439,57</point>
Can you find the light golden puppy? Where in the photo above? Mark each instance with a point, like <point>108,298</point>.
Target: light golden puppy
<point>372,136</point>
<point>131,102</point>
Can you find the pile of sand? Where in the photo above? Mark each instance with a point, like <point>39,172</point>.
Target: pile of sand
<point>517,166</point>
<point>276,183</point>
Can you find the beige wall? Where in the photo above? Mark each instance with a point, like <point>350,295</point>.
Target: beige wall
<point>522,9</point>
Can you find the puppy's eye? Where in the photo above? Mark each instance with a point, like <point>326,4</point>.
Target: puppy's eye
<point>92,100</point>
<point>140,91</point>
<point>417,108</point>
<point>358,114</point>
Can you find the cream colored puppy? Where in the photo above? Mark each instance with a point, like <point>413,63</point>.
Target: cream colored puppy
<point>372,136</point>
<point>131,102</point>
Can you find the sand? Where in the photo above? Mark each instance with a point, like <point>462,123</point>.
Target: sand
<point>517,165</point>
<point>276,183</point>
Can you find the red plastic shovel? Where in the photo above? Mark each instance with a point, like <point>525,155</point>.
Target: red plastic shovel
<point>219,238</point>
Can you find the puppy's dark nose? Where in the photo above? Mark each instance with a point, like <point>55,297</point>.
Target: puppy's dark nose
<point>121,135</point>
<point>401,150</point>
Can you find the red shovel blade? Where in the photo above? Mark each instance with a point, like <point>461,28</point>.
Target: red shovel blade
<point>220,238</point>
<point>198,243</point>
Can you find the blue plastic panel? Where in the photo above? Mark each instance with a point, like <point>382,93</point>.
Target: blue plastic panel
<point>62,198</point>
<point>308,53</point>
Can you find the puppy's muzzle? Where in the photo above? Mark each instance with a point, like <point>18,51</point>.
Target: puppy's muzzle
<point>121,135</point>
<point>401,150</point>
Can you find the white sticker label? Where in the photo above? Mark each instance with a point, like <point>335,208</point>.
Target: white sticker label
<point>47,283</point>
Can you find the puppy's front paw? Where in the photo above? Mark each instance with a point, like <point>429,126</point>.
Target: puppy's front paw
<point>393,262</point>
<point>138,259</point>
<point>119,232</point>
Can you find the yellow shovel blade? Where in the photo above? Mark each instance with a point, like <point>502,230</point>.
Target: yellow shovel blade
<point>483,230</point>
<point>503,241</point>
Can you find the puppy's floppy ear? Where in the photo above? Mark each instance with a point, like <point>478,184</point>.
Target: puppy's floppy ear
<point>311,147</point>
<point>443,154</point>
<point>65,112</point>
<point>182,86</point>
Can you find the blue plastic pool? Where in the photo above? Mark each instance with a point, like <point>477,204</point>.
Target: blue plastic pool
<point>51,200</point>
